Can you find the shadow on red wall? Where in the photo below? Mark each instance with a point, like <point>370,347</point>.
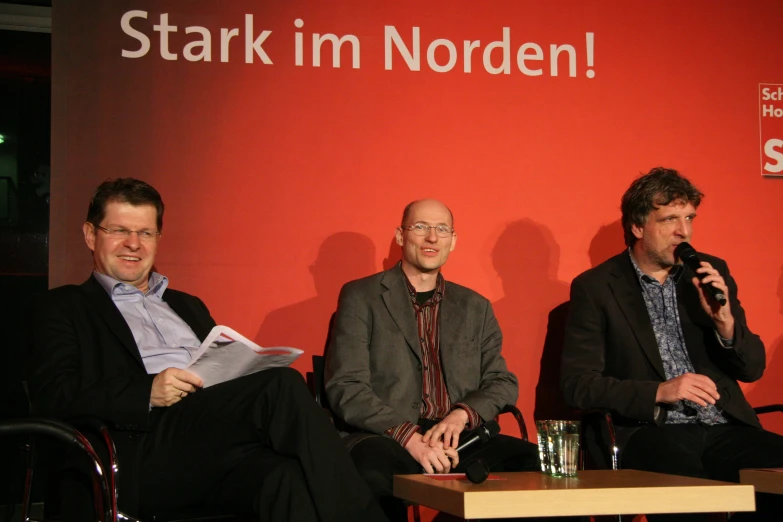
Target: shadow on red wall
<point>549,404</point>
<point>607,242</point>
<point>342,257</point>
<point>526,258</point>
<point>768,390</point>
<point>394,255</point>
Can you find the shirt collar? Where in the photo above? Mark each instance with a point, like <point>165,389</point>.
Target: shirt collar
<point>157,285</point>
<point>440,288</point>
<point>674,274</point>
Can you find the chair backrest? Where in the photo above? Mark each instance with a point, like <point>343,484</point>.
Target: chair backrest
<point>771,408</point>
<point>316,382</point>
<point>513,410</point>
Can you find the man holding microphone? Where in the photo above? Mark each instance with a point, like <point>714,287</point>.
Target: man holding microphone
<point>647,340</point>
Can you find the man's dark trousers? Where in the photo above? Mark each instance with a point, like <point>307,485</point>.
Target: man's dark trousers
<point>255,445</point>
<point>711,452</point>
<point>379,458</point>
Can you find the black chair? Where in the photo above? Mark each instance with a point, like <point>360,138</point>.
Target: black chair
<point>768,409</point>
<point>315,381</point>
<point>105,492</point>
<point>600,449</point>
<point>105,500</point>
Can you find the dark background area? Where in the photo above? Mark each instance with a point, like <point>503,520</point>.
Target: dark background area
<point>25,122</point>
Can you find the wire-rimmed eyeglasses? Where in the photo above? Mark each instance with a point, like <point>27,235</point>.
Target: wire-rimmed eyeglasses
<point>423,229</point>
<point>124,233</point>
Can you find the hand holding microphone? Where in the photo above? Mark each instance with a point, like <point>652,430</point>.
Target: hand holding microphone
<point>688,255</point>
<point>477,470</point>
<point>710,282</point>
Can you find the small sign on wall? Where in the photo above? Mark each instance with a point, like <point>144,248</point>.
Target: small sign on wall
<point>771,128</point>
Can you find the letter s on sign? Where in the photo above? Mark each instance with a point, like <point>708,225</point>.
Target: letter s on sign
<point>773,149</point>
<point>133,33</point>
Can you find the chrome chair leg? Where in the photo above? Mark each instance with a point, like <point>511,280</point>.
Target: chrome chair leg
<point>67,434</point>
<point>27,494</point>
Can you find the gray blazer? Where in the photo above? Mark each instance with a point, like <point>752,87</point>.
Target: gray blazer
<point>373,364</point>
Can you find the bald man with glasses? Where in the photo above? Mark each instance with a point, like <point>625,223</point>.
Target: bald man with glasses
<point>414,362</point>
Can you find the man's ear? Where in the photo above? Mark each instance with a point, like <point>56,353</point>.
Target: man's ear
<point>453,242</point>
<point>398,236</point>
<point>638,232</point>
<point>89,235</point>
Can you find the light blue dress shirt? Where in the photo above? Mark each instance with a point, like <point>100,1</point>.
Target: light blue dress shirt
<point>163,338</point>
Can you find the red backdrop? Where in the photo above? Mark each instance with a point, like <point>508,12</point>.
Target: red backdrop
<point>284,181</point>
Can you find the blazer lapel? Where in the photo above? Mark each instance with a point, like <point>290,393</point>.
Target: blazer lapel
<point>106,309</point>
<point>453,319</point>
<point>398,303</point>
<point>625,288</point>
<point>694,322</point>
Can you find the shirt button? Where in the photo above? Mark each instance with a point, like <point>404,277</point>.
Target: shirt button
<point>426,395</point>
<point>422,339</point>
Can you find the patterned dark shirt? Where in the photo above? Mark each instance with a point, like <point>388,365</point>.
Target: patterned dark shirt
<point>435,401</point>
<point>661,302</point>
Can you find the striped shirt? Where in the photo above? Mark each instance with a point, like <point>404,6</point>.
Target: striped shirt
<point>435,401</point>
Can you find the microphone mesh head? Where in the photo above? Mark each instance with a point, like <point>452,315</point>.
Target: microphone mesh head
<point>493,428</point>
<point>487,431</point>
<point>685,252</point>
<point>477,471</point>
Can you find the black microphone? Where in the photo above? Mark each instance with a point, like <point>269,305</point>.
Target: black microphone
<point>688,255</point>
<point>477,471</point>
<point>484,432</point>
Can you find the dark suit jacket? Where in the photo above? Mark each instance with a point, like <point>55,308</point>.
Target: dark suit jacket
<point>83,360</point>
<point>611,358</point>
<point>373,364</point>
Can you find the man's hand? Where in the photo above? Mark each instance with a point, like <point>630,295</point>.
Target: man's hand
<point>720,315</point>
<point>432,459</point>
<point>449,428</point>
<point>688,386</point>
<point>172,385</point>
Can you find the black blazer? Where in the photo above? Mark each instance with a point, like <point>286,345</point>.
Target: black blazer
<point>611,359</point>
<point>82,360</point>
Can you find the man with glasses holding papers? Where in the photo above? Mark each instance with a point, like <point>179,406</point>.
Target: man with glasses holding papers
<point>116,347</point>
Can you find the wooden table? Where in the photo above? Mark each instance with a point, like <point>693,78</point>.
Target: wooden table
<point>603,492</point>
<point>764,480</point>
